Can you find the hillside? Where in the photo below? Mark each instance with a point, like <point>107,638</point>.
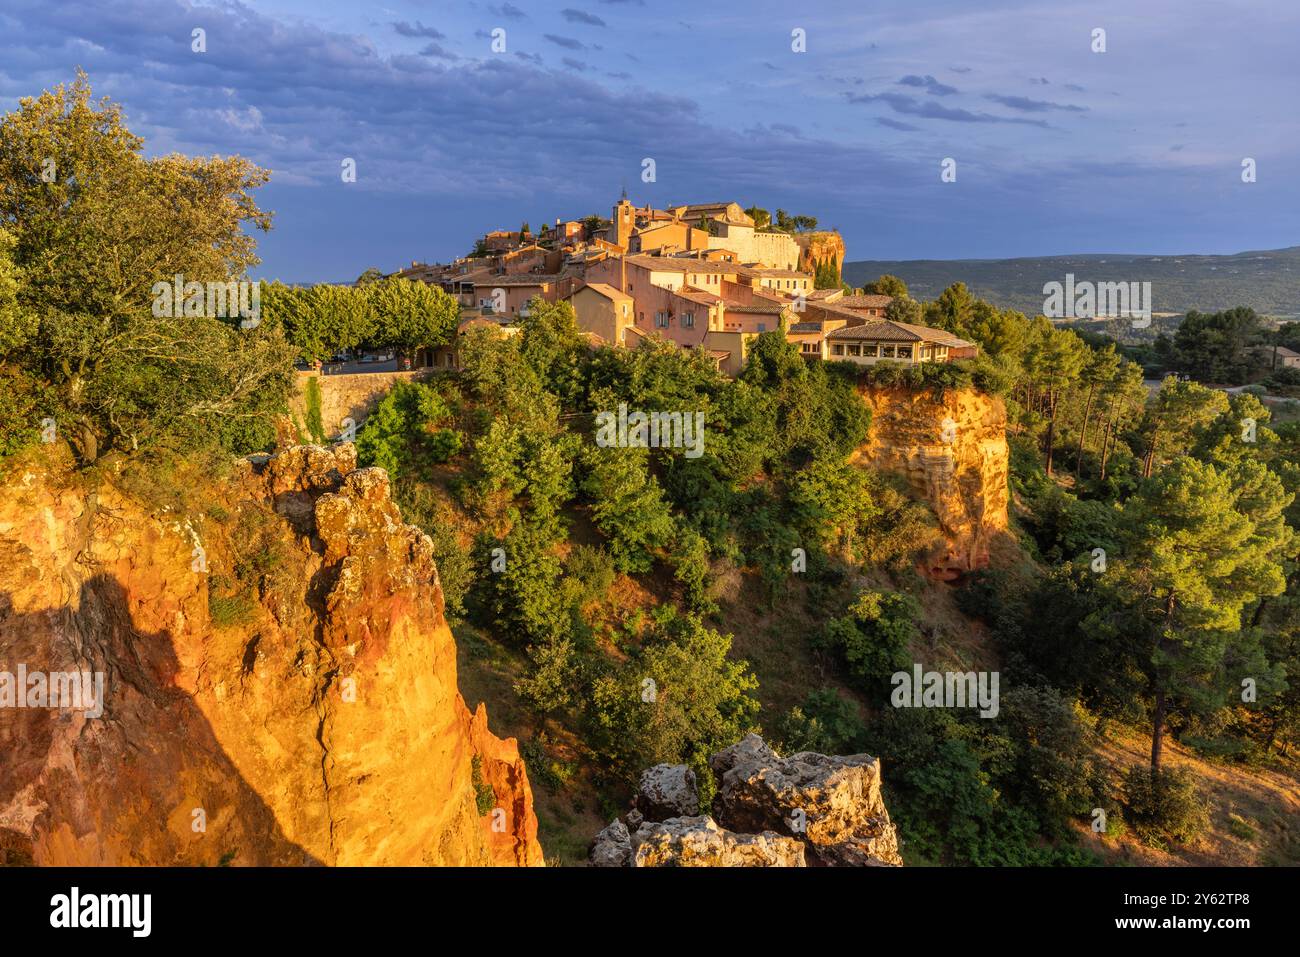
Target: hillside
<point>1266,280</point>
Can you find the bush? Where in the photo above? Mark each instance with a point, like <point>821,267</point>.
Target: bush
<point>873,637</point>
<point>1164,807</point>
<point>485,799</point>
<point>826,723</point>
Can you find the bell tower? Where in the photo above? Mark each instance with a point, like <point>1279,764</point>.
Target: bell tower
<point>624,219</point>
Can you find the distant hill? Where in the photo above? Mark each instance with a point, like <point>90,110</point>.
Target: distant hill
<point>1268,280</point>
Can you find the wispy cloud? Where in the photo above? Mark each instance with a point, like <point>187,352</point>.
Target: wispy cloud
<point>1026,105</point>
<point>569,43</point>
<point>929,84</point>
<point>418,29</point>
<point>583,17</point>
<point>930,110</point>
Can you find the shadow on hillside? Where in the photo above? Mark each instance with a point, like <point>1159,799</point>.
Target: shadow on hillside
<point>123,785</point>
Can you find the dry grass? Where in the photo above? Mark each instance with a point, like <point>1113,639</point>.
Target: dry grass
<point>1254,812</point>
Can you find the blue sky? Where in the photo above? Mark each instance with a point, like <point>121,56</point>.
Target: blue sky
<point>1058,149</point>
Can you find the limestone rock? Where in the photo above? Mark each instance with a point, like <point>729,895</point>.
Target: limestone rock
<point>667,790</point>
<point>692,841</point>
<point>834,804</point>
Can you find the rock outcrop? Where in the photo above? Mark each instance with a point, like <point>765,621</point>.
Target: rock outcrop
<point>819,247</point>
<point>769,811</point>
<point>667,790</point>
<point>280,682</point>
<point>692,842</point>
<point>832,804</point>
<point>953,452</point>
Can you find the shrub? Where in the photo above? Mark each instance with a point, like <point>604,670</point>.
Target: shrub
<point>485,799</point>
<point>826,723</point>
<point>1164,806</point>
<point>315,428</point>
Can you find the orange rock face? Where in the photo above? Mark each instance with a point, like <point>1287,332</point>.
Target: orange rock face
<point>819,247</point>
<point>309,715</point>
<point>953,452</point>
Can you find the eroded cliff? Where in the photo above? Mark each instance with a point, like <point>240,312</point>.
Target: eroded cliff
<point>953,451</point>
<point>280,682</point>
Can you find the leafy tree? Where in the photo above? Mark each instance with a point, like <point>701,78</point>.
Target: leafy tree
<point>1053,360</point>
<point>874,636</point>
<point>886,285</point>
<point>1201,545</point>
<point>627,505</point>
<point>680,698</point>
<point>1181,410</point>
<point>826,722</point>
<point>904,308</point>
<point>407,432</point>
<point>92,243</point>
<point>407,314</point>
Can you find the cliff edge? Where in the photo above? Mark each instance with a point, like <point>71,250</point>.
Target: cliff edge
<point>279,682</point>
<point>953,452</point>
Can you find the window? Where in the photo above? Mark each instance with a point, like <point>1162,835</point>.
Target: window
<point>688,320</point>
<point>837,350</point>
<point>869,350</point>
<point>886,352</point>
<point>661,320</point>
<point>854,350</point>
<point>762,327</point>
<point>904,352</point>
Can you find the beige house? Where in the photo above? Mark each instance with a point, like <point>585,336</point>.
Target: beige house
<point>603,310</point>
<point>887,341</point>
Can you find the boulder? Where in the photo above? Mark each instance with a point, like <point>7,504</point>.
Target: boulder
<point>667,790</point>
<point>833,804</point>
<point>692,841</point>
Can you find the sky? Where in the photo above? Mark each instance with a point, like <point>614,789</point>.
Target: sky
<point>845,111</point>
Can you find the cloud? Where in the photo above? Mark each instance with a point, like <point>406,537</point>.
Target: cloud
<point>569,43</point>
<point>573,64</point>
<point>896,124</point>
<point>534,58</point>
<point>1026,105</point>
<point>418,29</point>
<point>1040,81</point>
<point>581,16</point>
<point>960,69</point>
<point>930,110</point>
<point>928,83</point>
<point>509,11</point>
<point>434,50</point>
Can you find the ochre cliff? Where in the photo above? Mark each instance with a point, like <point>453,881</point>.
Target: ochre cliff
<point>313,717</point>
<point>818,247</point>
<point>953,451</point>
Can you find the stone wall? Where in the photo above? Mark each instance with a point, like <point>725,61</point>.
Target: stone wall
<point>347,396</point>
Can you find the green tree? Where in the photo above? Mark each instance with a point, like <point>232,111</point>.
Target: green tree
<point>904,309</point>
<point>627,505</point>
<point>1201,544</point>
<point>680,698</point>
<point>886,285</point>
<point>95,225</point>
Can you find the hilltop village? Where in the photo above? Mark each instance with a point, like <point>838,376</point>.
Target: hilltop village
<point>708,276</point>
